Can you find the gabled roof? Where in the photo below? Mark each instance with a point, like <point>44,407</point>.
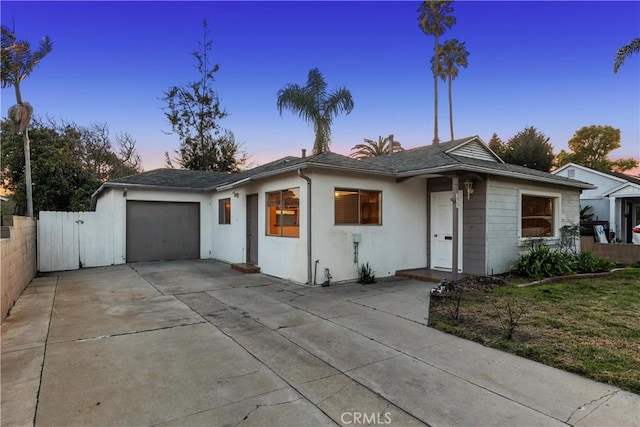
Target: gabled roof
<point>620,177</point>
<point>469,154</point>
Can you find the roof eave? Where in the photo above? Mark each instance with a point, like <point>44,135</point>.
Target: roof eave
<point>294,168</point>
<point>487,170</point>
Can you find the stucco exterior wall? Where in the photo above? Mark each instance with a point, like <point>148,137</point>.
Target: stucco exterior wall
<point>399,243</point>
<point>18,263</point>
<point>114,201</point>
<point>504,241</point>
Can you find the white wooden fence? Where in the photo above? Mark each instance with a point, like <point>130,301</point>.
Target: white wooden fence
<point>72,240</point>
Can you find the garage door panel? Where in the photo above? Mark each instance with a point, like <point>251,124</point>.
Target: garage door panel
<point>162,231</point>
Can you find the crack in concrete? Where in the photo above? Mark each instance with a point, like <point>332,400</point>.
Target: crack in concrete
<point>583,407</point>
<point>264,406</point>
<point>99,337</point>
<point>44,354</point>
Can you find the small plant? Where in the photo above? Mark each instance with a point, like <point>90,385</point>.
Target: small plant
<point>540,261</point>
<point>366,275</point>
<point>510,311</point>
<point>635,264</point>
<point>586,262</point>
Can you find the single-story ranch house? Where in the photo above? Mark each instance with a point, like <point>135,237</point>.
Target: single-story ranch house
<point>615,197</point>
<point>297,216</point>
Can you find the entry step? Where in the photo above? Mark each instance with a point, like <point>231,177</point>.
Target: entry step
<point>245,268</point>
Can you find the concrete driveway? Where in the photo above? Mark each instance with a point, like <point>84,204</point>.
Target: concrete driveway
<point>195,343</point>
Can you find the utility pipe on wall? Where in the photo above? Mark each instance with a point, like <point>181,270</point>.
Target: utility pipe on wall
<point>309,269</point>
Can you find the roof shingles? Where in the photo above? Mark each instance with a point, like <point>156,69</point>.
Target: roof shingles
<point>416,161</point>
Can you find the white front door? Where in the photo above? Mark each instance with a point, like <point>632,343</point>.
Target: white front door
<point>442,231</point>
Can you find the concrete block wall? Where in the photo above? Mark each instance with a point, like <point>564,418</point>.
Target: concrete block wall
<point>622,253</point>
<point>18,265</point>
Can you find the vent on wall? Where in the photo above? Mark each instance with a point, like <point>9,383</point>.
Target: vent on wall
<point>571,173</point>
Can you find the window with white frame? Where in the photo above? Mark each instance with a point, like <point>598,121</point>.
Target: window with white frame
<point>224,211</point>
<point>538,215</point>
<point>283,213</point>
<point>362,207</point>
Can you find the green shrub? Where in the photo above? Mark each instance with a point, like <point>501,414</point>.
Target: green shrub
<point>586,262</point>
<point>366,274</point>
<point>540,261</point>
<point>635,264</point>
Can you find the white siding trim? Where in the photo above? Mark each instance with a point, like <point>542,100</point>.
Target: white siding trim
<point>557,206</point>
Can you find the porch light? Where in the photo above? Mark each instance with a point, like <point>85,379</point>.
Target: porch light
<point>468,185</point>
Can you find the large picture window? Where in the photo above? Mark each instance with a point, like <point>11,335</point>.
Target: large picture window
<point>358,206</point>
<point>283,213</point>
<point>538,216</point>
<point>224,211</point>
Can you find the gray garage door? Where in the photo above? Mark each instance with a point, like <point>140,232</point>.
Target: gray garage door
<point>162,231</point>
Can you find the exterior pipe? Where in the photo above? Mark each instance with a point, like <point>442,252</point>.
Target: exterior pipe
<point>309,269</point>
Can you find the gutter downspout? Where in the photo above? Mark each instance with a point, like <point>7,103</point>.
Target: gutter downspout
<point>309,269</point>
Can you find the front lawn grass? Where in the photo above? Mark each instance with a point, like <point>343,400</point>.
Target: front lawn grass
<point>587,326</point>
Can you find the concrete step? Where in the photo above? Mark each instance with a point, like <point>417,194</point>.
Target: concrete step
<point>245,268</point>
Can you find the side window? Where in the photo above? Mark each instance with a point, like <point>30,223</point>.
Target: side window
<point>224,211</point>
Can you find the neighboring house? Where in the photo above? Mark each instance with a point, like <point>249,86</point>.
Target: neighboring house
<point>299,215</point>
<point>616,197</point>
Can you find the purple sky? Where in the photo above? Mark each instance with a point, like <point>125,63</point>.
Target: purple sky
<point>542,64</point>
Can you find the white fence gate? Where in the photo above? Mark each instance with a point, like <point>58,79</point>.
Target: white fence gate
<point>72,240</point>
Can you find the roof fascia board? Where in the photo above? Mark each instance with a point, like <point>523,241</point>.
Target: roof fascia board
<point>586,169</point>
<point>296,167</point>
<point>470,168</point>
<point>622,186</point>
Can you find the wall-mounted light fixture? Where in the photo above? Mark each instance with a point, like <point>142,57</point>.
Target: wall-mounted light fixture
<point>468,185</point>
<point>235,194</point>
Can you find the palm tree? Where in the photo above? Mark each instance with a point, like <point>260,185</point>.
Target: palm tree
<point>315,105</point>
<point>18,61</point>
<point>434,20</point>
<point>372,148</point>
<point>626,51</point>
<point>451,54</point>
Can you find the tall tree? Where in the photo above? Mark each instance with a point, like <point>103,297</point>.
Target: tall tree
<point>590,146</point>
<point>496,145</point>
<point>452,54</point>
<point>529,148</point>
<point>69,163</point>
<point>434,18</point>
<point>624,52</point>
<point>316,106</point>
<point>372,148</point>
<point>194,112</point>
<point>18,61</point>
